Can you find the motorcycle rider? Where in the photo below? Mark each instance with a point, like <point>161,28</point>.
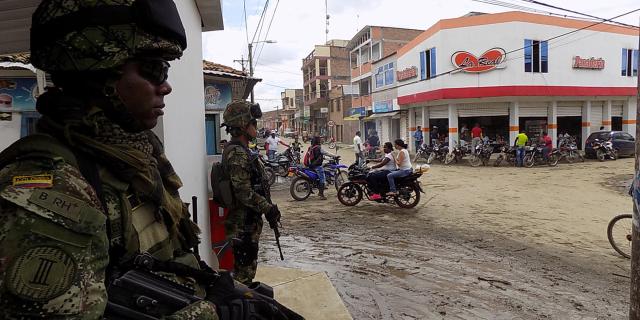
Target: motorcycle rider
<point>316,163</point>
<point>386,165</point>
<point>403,162</point>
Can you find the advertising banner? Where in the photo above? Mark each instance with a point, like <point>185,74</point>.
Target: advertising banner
<point>18,94</point>
<point>216,96</point>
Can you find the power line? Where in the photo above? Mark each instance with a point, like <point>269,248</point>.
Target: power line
<point>268,29</point>
<point>576,12</point>
<point>246,26</point>
<point>528,9</point>
<point>260,23</point>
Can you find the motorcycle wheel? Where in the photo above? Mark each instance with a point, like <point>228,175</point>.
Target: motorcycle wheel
<point>613,154</point>
<point>341,178</point>
<point>349,194</point>
<point>529,160</point>
<point>581,156</point>
<point>619,234</point>
<point>553,159</point>
<point>570,157</point>
<point>300,189</point>
<point>600,155</point>
<point>449,158</point>
<point>408,197</point>
<point>282,171</point>
<point>431,157</point>
<point>498,160</point>
<point>417,156</point>
<point>474,160</point>
<point>270,176</point>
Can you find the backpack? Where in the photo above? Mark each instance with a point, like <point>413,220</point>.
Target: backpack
<point>308,156</point>
<point>220,180</point>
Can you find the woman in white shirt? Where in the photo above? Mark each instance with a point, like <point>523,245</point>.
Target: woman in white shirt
<point>386,165</point>
<point>403,162</point>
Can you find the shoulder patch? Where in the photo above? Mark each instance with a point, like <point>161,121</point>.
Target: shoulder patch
<point>41,273</point>
<point>33,181</point>
<point>58,202</point>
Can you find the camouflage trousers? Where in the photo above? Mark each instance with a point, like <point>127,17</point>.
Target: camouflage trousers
<point>244,269</point>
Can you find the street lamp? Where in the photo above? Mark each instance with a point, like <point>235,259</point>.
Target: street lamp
<point>251,60</point>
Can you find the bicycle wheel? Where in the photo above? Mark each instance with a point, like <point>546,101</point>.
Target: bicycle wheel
<point>619,234</point>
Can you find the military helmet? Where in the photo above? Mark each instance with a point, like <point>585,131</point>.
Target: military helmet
<point>240,113</point>
<point>95,35</point>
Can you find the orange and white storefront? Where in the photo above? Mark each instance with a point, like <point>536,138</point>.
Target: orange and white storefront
<point>517,71</point>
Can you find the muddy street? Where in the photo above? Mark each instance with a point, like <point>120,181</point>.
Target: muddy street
<point>484,243</point>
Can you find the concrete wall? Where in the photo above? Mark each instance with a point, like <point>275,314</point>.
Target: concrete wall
<point>10,130</point>
<point>183,123</point>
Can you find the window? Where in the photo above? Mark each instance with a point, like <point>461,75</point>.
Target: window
<point>379,77</point>
<point>211,124</point>
<point>428,64</point>
<point>375,51</point>
<point>536,56</point>
<point>630,62</point>
<point>388,74</point>
<point>364,88</point>
<point>339,103</point>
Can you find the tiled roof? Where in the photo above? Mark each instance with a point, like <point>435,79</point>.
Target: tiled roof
<point>212,66</point>
<point>24,58</point>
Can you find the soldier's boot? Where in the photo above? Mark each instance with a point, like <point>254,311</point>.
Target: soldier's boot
<point>321,192</point>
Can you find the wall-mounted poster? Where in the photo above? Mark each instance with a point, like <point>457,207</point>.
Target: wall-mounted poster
<point>18,94</point>
<point>216,96</point>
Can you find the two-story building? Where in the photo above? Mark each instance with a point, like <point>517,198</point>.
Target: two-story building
<point>520,72</point>
<point>371,44</point>
<point>325,67</point>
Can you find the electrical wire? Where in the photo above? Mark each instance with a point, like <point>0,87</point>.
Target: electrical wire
<point>576,12</point>
<point>528,9</point>
<point>246,26</point>
<point>260,23</point>
<point>267,33</point>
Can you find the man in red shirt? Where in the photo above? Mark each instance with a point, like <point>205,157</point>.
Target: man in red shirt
<point>548,145</point>
<point>476,135</point>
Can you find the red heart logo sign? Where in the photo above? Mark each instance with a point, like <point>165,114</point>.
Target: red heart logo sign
<point>488,61</point>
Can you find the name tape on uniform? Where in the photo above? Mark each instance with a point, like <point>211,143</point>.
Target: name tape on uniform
<point>59,203</point>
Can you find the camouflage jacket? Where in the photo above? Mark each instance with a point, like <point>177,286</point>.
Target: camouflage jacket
<point>54,240</point>
<point>246,176</point>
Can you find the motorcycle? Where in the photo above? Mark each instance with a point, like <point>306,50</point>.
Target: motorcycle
<point>352,192</point>
<point>507,154</point>
<point>569,150</point>
<point>535,155</point>
<point>282,162</point>
<point>307,179</point>
<point>481,155</point>
<point>604,149</point>
<point>457,154</point>
<point>438,152</point>
<point>423,152</point>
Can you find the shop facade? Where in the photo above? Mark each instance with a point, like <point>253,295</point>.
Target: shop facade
<point>508,78</point>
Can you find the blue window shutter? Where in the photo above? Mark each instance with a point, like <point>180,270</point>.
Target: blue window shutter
<point>433,62</point>
<point>544,56</point>
<point>210,135</point>
<point>528,55</point>
<point>423,66</point>
<point>624,62</point>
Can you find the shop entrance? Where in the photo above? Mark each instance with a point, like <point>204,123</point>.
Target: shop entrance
<point>369,129</point>
<point>395,130</point>
<point>442,131</point>
<point>533,127</point>
<point>491,126</point>
<point>571,126</point>
<point>616,123</point>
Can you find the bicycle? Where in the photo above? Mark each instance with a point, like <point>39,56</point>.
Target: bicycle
<point>619,234</point>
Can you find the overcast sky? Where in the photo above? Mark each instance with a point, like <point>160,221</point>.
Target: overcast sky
<point>298,25</point>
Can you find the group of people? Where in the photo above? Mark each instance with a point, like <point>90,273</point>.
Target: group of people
<point>390,167</point>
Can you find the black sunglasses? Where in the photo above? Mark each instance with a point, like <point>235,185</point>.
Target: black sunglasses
<point>155,71</point>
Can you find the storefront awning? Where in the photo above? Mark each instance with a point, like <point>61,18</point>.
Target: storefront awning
<point>382,114</point>
<point>352,118</point>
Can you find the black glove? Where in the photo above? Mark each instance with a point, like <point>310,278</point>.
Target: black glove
<point>273,216</point>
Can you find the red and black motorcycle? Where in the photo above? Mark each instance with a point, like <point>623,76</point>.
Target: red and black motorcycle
<point>352,192</point>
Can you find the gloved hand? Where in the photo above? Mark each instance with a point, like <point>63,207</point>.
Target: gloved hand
<point>273,216</point>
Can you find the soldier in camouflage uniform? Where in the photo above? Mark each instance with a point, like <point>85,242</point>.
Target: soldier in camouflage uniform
<point>251,192</point>
<point>93,188</point>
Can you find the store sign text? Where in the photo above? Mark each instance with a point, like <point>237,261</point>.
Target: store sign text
<point>591,63</point>
<point>406,74</point>
<point>488,61</point>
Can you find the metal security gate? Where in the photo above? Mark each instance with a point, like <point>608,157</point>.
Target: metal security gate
<point>532,110</point>
<point>569,109</point>
<point>483,110</point>
<point>438,112</point>
<point>617,108</point>
<point>596,115</point>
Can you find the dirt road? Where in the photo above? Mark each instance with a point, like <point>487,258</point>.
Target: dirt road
<point>484,243</point>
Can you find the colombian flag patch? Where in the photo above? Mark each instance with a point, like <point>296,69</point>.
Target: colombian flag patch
<point>33,182</point>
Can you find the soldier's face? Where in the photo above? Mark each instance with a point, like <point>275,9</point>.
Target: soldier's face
<point>252,130</point>
<point>141,89</point>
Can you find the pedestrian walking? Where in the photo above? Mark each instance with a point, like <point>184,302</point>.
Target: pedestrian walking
<point>520,143</point>
<point>273,141</point>
<point>358,148</point>
<point>418,137</point>
<point>476,137</point>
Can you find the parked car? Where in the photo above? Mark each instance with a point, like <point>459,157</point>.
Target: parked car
<point>623,143</point>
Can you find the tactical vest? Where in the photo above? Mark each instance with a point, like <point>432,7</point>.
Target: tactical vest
<point>134,224</point>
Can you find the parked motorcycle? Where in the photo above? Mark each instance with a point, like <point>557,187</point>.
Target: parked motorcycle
<point>438,152</point>
<point>481,155</point>
<point>604,149</point>
<point>507,154</point>
<point>535,155</point>
<point>569,150</point>
<point>352,192</point>
<point>423,153</point>
<point>307,179</point>
<point>282,162</point>
<point>457,154</point>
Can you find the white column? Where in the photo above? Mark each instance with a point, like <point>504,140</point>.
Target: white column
<point>586,122</point>
<point>425,125</point>
<point>606,115</point>
<point>552,122</point>
<point>514,121</point>
<point>629,116</point>
<point>411,130</point>
<point>453,126</point>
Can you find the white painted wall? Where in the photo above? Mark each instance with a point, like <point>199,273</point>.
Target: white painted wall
<point>511,36</point>
<point>183,122</point>
<point>10,130</point>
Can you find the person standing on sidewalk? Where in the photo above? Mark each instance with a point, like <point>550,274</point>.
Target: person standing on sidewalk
<point>273,142</point>
<point>358,148</point>
<point>418,137</point>
<point>521,141</point>
<point>403,162</point>
<point>476,135</point>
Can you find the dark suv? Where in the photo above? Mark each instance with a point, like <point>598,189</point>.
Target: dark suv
<point>623,143</point>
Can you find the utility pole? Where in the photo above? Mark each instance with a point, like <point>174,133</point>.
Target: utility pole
<point>242,62</point>
<point>251,67</point>
<point>634,301</point>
